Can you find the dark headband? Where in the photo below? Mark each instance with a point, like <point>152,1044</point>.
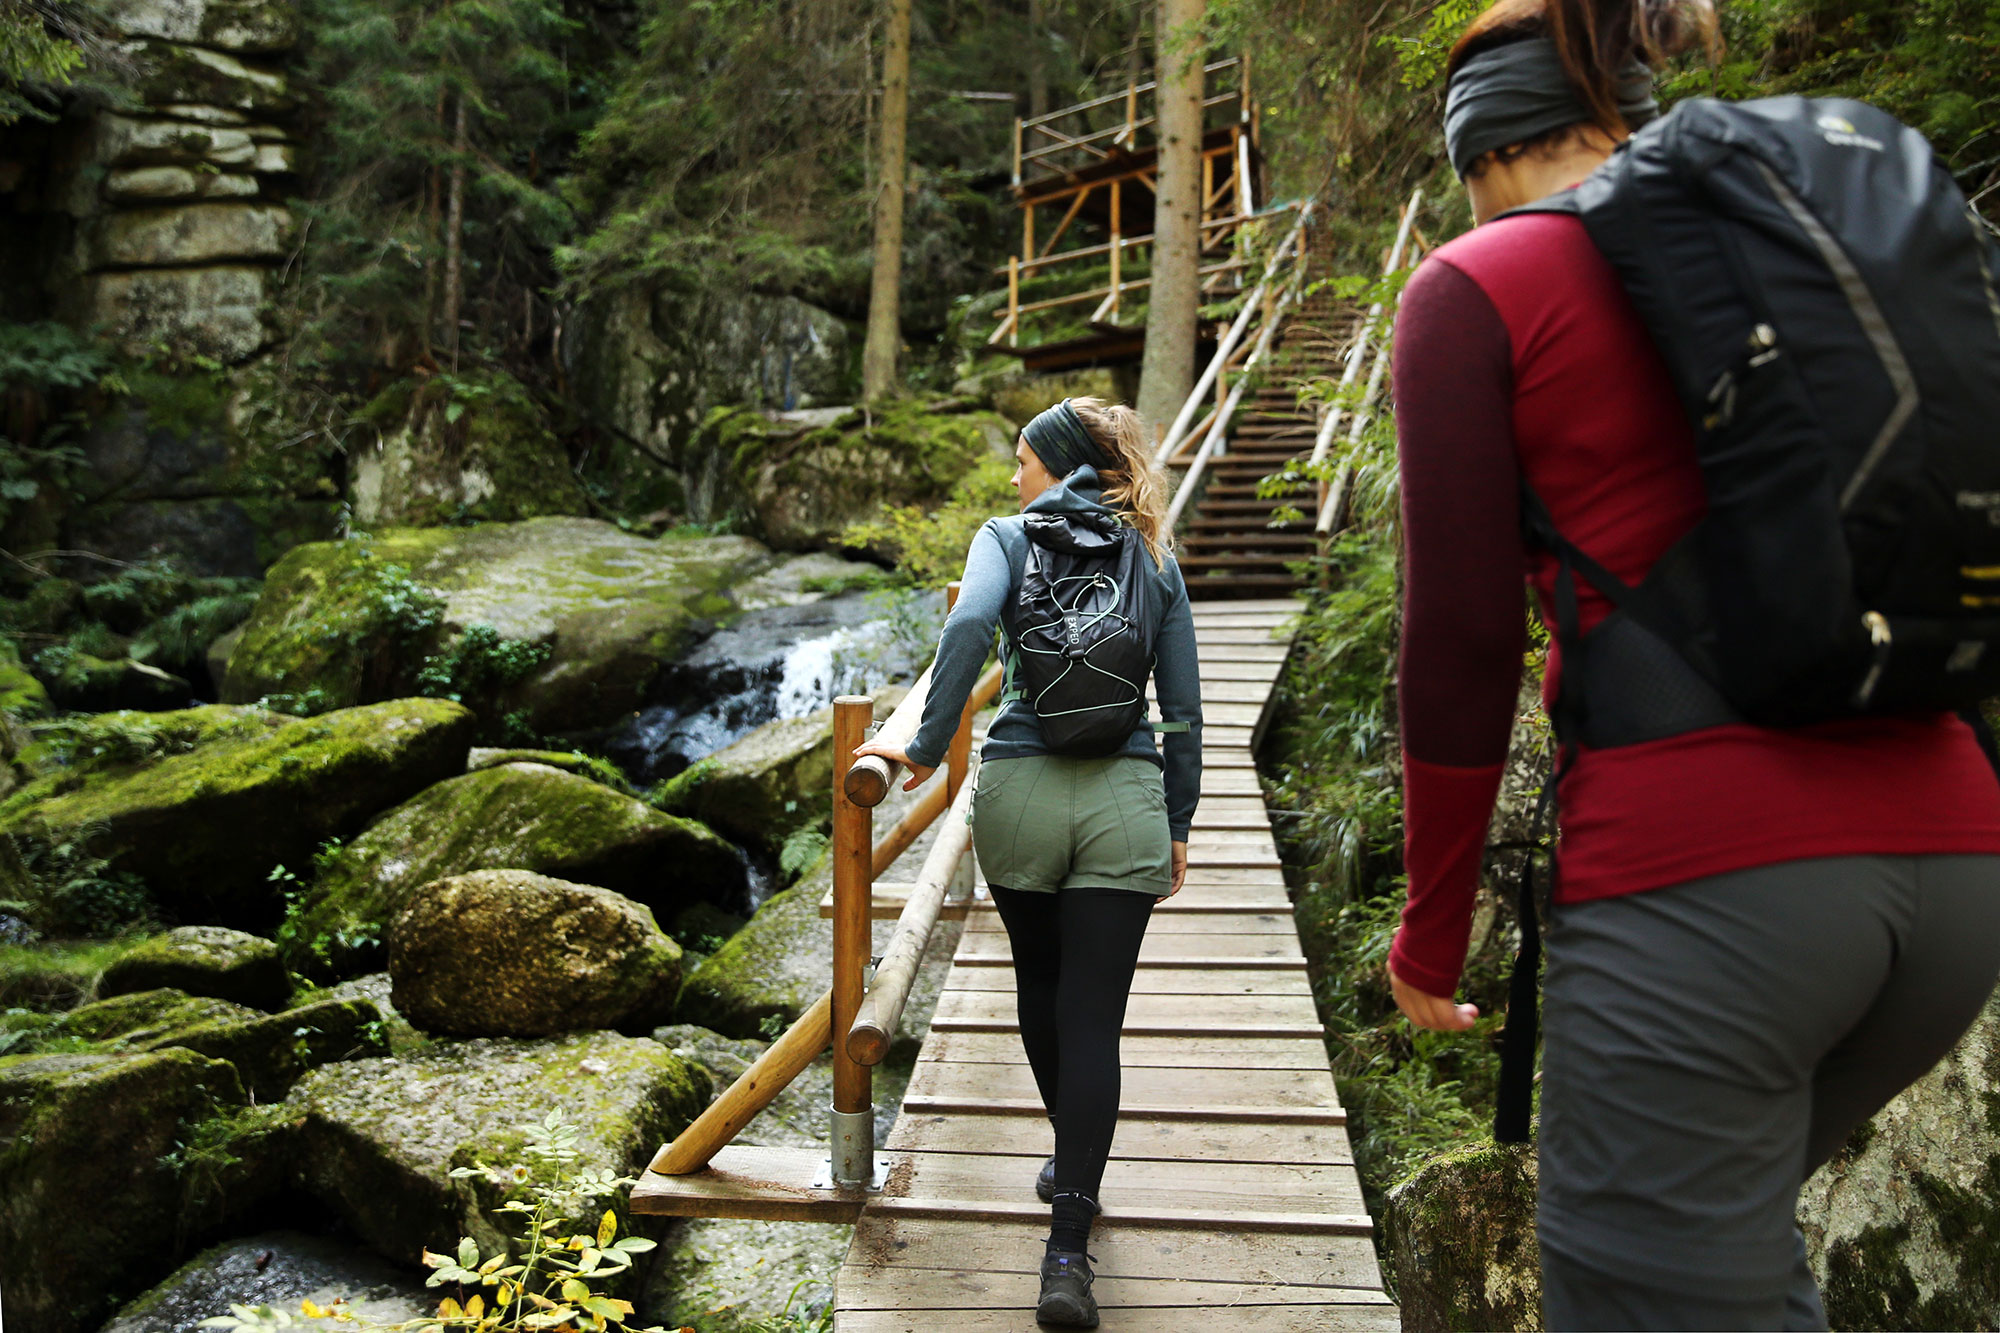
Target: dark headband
<point>1063,443</point>
<point>1509,94</point>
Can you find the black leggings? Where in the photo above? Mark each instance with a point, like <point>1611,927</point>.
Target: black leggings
<point>1071,1015</point>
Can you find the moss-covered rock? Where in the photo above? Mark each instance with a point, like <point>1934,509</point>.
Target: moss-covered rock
<point>381,1136</point>
<point>804,482</point>
<point>53,975</point>
<point>594,767</point>
<point>509,953</point>
<point>204,829</point>
<point>20,693</point>
<point>86,1172</point>
<point>1461,1236</point>
<point>1903,1225</point>
<point>770,784</point>
<point>204,960</point>
<point>335,621</point>
<point>269,1051</point>
<point>517,816</point>
<point>279,1269</point>
<point>481,450</point>
<point>94,684</point>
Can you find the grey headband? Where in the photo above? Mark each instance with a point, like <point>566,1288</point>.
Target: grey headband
<point>1063,443</point>
<point>1509,94</point>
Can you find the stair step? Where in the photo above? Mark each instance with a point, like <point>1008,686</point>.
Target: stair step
<point>1249,564</point>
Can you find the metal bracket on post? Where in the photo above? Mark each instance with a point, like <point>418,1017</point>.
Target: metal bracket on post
<point>853,1161</point>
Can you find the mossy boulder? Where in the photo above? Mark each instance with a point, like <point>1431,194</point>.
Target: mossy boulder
<point>279,1269</point>
<point>509,953</point>
<point>516,816</point>
<point>381,1136</point>
<point>1903,1225</point>
<point>49,976</point>
<point>20,693</point>
<point>345,622</point>
<point>204,960</point>
<point>480,450</point>
<point>1460,1234</point>
<point>205,829</point>
<point>770,784</point>
<point>594,767</point>
<point>805,481</point>
<point>86,1172</point>
<point>94,684</point>
<point>269,1051</point>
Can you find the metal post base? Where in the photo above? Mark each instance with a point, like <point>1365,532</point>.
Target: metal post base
<point>852,1161</point>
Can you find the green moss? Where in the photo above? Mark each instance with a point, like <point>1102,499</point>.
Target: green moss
<point>20,693</point>
<point>54,975</point>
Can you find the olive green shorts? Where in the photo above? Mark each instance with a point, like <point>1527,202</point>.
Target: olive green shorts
<point>1046,822</point>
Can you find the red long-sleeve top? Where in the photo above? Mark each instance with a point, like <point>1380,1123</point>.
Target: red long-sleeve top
<point>1518,355</point>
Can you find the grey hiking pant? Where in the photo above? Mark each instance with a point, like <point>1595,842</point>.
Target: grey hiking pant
<point>1708,1045</point>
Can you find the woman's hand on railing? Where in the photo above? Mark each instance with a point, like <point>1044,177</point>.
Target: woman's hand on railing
<point>895,754</point>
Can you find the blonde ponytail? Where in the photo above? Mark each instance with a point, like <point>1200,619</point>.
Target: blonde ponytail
<point>1134,486</point>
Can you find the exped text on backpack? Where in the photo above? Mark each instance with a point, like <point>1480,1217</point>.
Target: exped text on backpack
<point>1083,644</point>
<point>1825,300</point>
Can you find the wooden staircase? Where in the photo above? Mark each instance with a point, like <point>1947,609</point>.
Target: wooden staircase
<point>1230,548</point>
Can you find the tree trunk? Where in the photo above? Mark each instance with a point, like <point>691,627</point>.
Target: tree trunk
<point>454,244</point>
<point>878,353</point>
<point>1167,373</point>
<point>1038,58</point>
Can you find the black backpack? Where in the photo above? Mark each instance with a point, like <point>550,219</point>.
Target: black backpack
<point>1083,644</point>
<point>1825,301</point>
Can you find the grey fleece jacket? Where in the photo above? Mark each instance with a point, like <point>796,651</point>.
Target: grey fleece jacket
<point>993,570</point>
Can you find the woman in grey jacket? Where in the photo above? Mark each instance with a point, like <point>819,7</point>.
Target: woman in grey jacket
<point>1077,850</point>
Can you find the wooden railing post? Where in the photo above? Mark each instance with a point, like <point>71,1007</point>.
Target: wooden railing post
<point>853,1119</point>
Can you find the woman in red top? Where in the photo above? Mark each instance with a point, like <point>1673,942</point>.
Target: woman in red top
<point>1758,936</point>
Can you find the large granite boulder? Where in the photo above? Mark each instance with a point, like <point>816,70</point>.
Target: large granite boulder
<point>610,608</point>
<point>509,953</point>
<point>381,1137</point>
<point>279,1269</point>
<point>205,828</point>
<point>773,782</point>
<point>269,1051</point>
<point>82,1141</point>
<point>1460,1235</point>
<point>230,25</point>
<point>516,816</point>
<point>204,960</point>
<point>439,459</point>
<point>1902,1225</point>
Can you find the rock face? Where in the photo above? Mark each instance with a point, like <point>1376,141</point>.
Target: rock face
<point>278,1269</point>
<point>1901,1225</point>
<point>493,460</point>
<point>508,953</point>
<point>94,1127</point>
<point>204,829</point>
<point>609,606</point>
<point>204,960</point>
<point>1461,1236</point>
<point>652,365</point>
<point>381,1136</point>
<point>805,480</point>
<point>516,816</point>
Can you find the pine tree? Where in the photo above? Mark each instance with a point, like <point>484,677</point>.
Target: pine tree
<point>878,354</point>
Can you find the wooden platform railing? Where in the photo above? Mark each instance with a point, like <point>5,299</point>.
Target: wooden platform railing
<point>1042,149</point>
<point>863,1015</point>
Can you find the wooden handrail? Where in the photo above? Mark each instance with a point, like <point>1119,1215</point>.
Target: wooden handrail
<point>1092,105</point>
<point>1213,439</point>
<point>868,780</point>
<point>753,1090</point>
<point>867,1039</point>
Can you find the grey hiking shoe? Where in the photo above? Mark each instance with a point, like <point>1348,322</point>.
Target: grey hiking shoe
<point>1045,1183</point>
<point>1066,1300</point>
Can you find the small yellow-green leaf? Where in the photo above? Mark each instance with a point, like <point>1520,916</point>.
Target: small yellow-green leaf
<point>607,1227</point>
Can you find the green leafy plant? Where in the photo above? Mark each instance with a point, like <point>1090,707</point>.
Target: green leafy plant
<point>481,658</point>
<point>930,545</point>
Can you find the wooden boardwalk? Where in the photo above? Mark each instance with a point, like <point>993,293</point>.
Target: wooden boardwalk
<point>1231,1201</point>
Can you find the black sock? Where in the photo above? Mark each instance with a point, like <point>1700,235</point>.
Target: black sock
<point>1069,1223</point>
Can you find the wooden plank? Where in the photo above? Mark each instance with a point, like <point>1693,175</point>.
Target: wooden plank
<point>1218,715</point>
<point>1286,1257</point>
<point>1218,923</point>
<point>1031,1140</point>
<point>938,1290</point>
<point>763,1184</point>
<point>1252,1319</point>
<point>1235,802</point>
<point>1133,1212</point>
<point>1161,980</point>
<point>1269,606</point>
<point>1032,1106</point>
<point>1189,1090</point>
<point>1261,958</point>
<point>1219,669</point>
<point>1239,636</point>
<point>1138,1052</point>
<point>886,903</point>
<point>1228,875</point>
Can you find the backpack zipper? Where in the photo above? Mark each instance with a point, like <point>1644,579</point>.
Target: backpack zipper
<point>1879,636</point>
